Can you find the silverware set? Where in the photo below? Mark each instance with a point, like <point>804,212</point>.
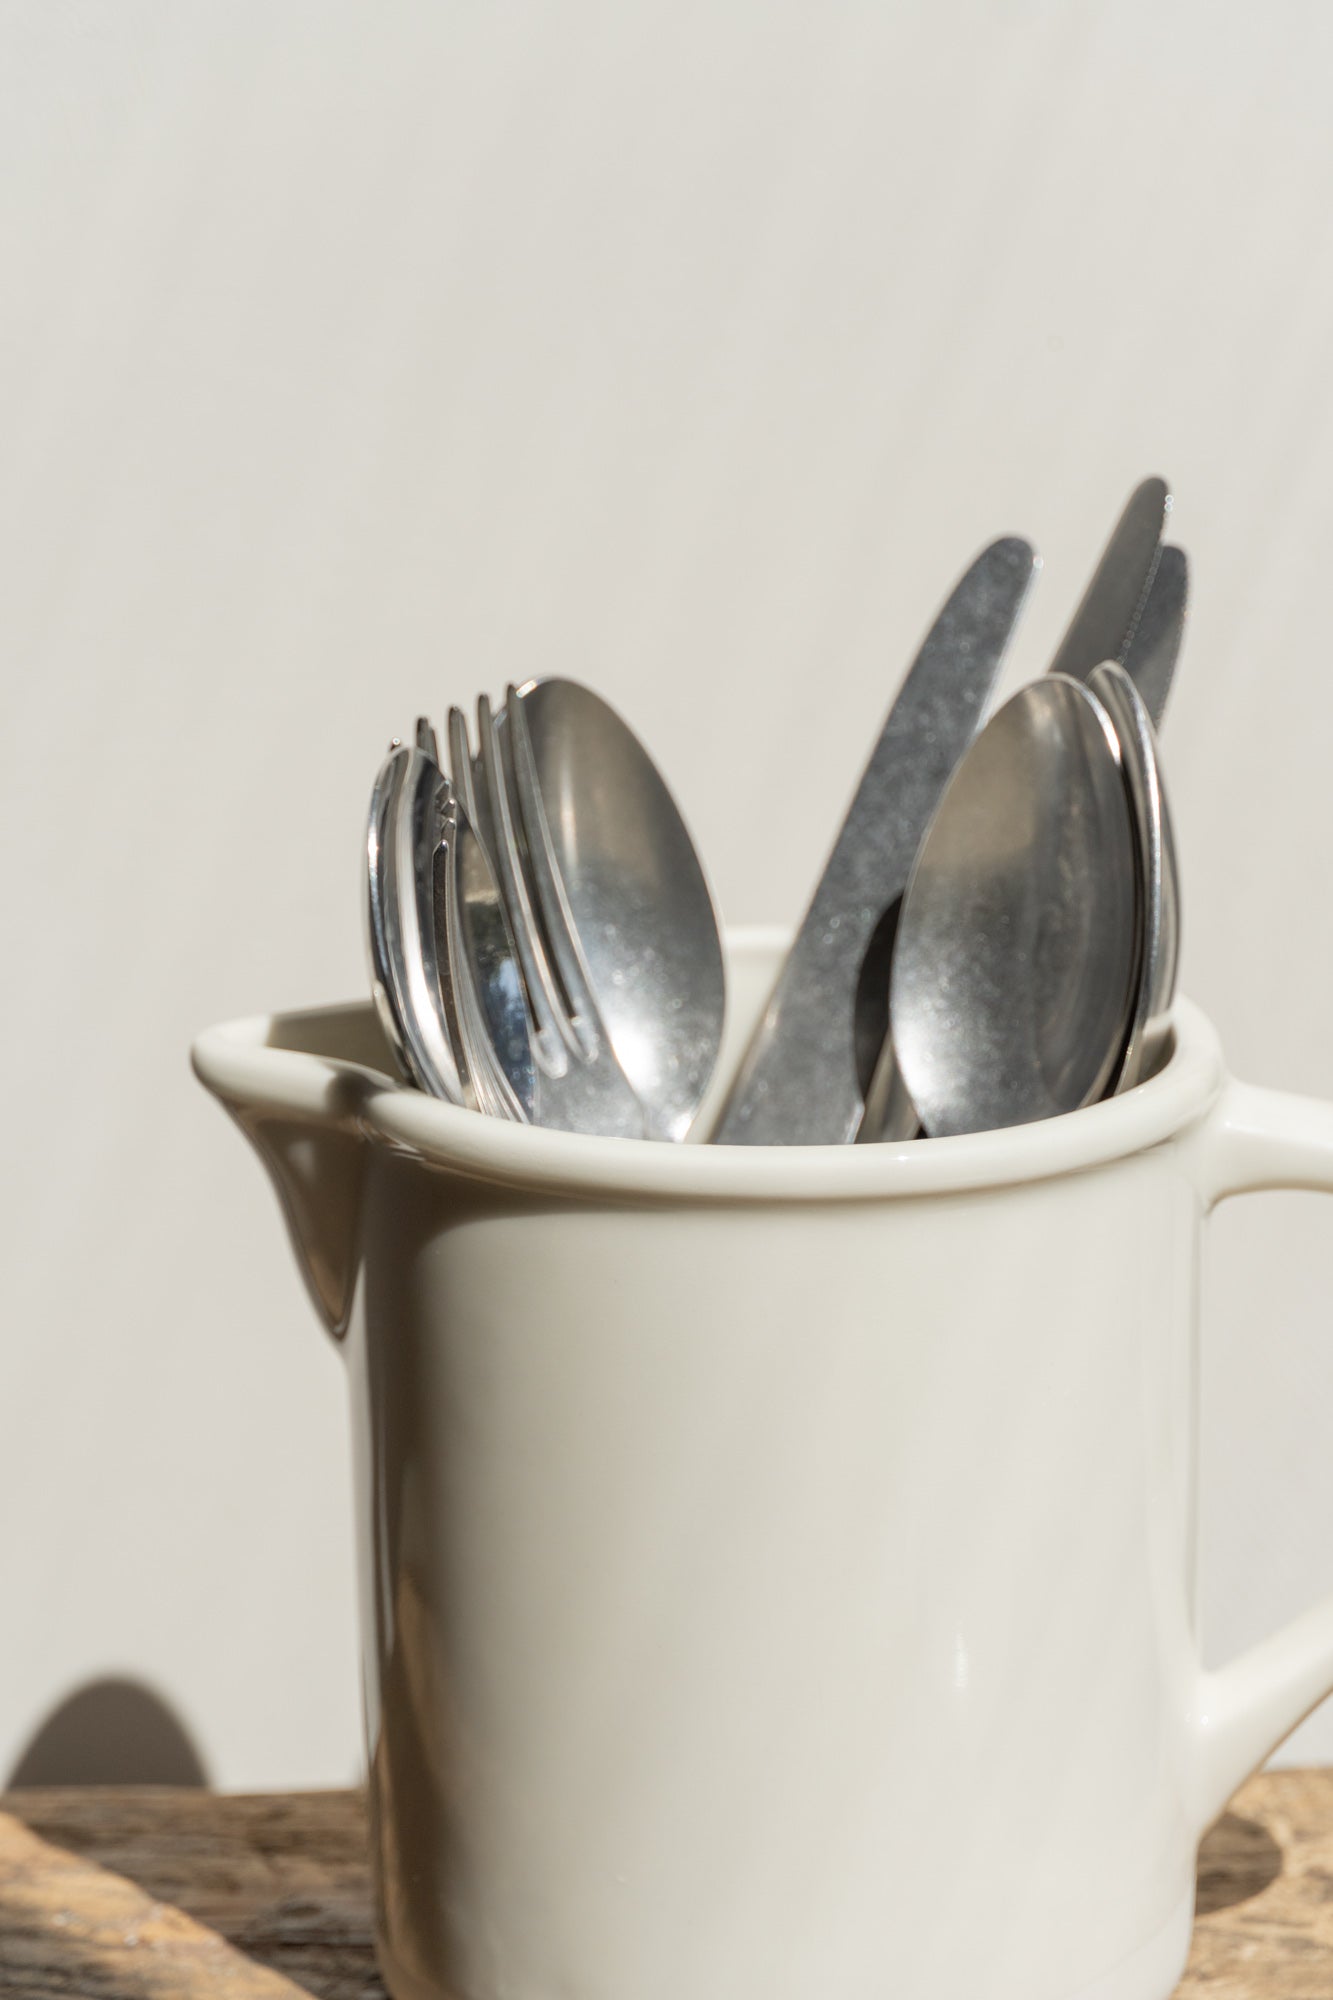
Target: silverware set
<point>993,939</point>
<point>543,943</point>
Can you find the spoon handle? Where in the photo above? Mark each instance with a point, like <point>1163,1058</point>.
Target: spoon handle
<point>799,1082</point>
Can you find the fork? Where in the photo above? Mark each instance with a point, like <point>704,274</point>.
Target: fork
<point>578,1085</point>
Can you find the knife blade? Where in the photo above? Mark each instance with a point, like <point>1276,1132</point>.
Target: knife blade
<point>799,1082</point>
<point>1150,656</point>
<point>1118,590</point>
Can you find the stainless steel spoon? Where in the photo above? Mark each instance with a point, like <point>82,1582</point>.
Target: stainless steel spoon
<point>1159,897</point>
<point>628,923</point>
<point>1133,612</point>
<point>1017,949</point>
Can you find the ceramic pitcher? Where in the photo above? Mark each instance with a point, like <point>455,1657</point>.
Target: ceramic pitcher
<point>777,1568</point>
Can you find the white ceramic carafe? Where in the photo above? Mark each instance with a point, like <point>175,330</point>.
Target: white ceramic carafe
<point>777,1567</point>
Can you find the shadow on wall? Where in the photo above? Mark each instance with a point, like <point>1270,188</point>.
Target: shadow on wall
<point>112,1732</point>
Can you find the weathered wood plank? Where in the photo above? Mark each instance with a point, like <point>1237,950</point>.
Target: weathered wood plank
<point>1265,1924</point>
<point>141,1895</point>
<point>281,1878</point>
<point>70,1926</point>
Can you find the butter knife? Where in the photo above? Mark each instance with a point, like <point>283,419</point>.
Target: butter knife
<point>1118,590</point>
<point>799,1082</point>
<point>1150,656</point>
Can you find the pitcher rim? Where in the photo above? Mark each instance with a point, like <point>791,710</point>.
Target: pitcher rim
<point>238,1062</point>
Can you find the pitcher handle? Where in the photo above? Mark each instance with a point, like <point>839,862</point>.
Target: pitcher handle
<point>1253,1140</point>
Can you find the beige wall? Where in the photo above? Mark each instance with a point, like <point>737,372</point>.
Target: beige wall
<point>354,358</point>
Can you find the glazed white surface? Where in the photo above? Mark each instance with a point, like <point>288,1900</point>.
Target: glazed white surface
<point>778,1568</point>
<point>355,360</point>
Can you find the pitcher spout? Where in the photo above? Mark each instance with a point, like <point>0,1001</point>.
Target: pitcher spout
<point>300,1107</point>
<point>318,1176</point>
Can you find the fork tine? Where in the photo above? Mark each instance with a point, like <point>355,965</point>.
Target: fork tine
<point>460,763</point>
<point>551,1030</point>
<point>548,883</point>
<point>447,963</point>
<point>489,1087</point>
<point>427,740</point>
<point>494,1090</point>
<point>417,812</point>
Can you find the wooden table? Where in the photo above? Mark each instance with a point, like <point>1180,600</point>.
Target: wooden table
<point>162,1895</point>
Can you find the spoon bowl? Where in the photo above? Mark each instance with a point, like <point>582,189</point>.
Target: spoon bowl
<point>636,902</point>
<point>1017,949</point>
